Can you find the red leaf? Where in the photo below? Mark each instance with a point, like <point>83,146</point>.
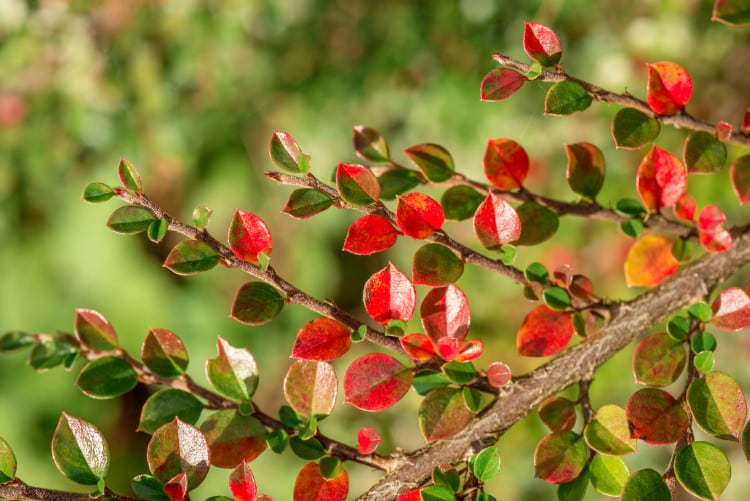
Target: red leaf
<point>357,184</point>
<point>650,261</point>
<point>542,44</point>
<point>242,483</point>
<point>370,234</point>
<point>662,179</point>
<point>249,236</point>
<point>311,387</point>
<point>312,486</point>
<point>669,87</point>
<point>717,241</point>
<point>723,131</point>
<point>177,487</point>
<point>656,417</point>
<point>375,382</point>
<point>685,207</point>
<point>367,440</point>
<point>560,457</point>
<point>731,310</point>
<point>498,374</point>
<point>500,84</point>
<point>447,348</point>
<point>505,164</point>
<point>389,295</point>
<point>412,495</point>
<point>739,173</point>
<point>544,332</point>
<point>469,350</point>
<point>445,313</point>
<point>418,215</point>
<point>711,218</point>
<point>746,122</point>
<point>496,222</point>
<point>321,339</point>
<point>418,346</point>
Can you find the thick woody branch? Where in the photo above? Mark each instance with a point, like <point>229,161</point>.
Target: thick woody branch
<point>16,489</point>
<point>574,365</point>
<point>681,120</point>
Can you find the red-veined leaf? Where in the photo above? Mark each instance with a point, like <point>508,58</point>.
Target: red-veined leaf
<point>370,234</point>
<point>375,382</point>
<point>418,215</point>
<point>357,184</point>
<point>443,413</point>
<point>710,219</point>
<point>445,313</point>
<point>661,180</point>
<point>669,87</point>
<point>544,332</point>
<point>310,485</point>
<point>716,241</point>
<point>541,44</point>
<point>418,346</point>
<point>731,310</point>
<point>585,170</point>
<point>389,295</point>
<point>249,236</point>
<point>506,164</point>
<point>560,457</point>
<point>321,339</point>
<point>500,83</point>
<point>496,222</point>
<point>739,173</point>
<point>499,374</point>
<point>242,483</point>
<point>311,387</point>
<point>685,207</point>
<point>367,440</point>
<point>650,261</point>
<point>656,417</point>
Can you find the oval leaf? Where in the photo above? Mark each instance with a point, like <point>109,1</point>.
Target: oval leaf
<point>310,485</point>
<point>718,405</point>
<point>94,331</point>
<point>585,170</point>
<point>608,474</point>
<point>242,483</point>
<point>558,413</point>
<point>310,387</point>
<point>107,377</point>
<point>7,463</point>
<point>560,457</point>
<point>418,215</point>
<point>304,203</point>
<point>739,173</point>
<point>650,261</point>
<point>566,97</point>
<point>609,432</point>
<point>669,87</point>
<point>164,353</point>
<point>389,295</point>
<point>731,310</point>
<point>370,234</point>
<point>417,346</point>
<point>646,484</point>
<point>375,382</point>
<point>436,265</point>
<point>632,129</point>
<point>130,219</point>
<point>357,184</point>
<point>233,438</point>
<point>460,202</point>
<point>369,144</point>
<point>191,257</point>
<point>97,192</point>
<point>658,360</point>
<point>286,153</point>
<point>129,176</point>
<point>703,153</point>
<point>256,303</point>
<point>79,450</point>
<point>445,313</point>
<point>541,44</point>
<point>544,332</point>
<point>234,372</point>
<point>167,404</point>
<point>703,469</point>
<point>435,162</point>
<point>249,236</point>
<point>176,448</point>
<point>506,164</point>
<point>443,413</point>
<point>367,440</point>
<point>500,83</point>
<point>656,417</point>
<point>661,180</point>
<point>321,339</point>
<point>538,223</point>
<point>395,181</point>
<point>496,222</point>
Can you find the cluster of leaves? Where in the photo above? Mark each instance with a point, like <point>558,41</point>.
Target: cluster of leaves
<point>436,363</point>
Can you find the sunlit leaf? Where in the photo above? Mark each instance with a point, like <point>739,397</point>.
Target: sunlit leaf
<point>608,474</point>
<point>369,144</point>
<point>418,346</point>
<point>541,44</point>
<point>376,381</point>
<point>585,171</point>
<point>304,203</point>
<point>609,432</point>
<point>321,339</point>
<point>201,216</point>
<point>486,464</point>
<point>311,387</point>
<point>256,303</point>
<point>164,353</point>
<point>370,234</point>
<point>7,462</point>
<point>418,215</point>
<point>367,440</point>
<point>498,374</point>
<point>646,484</point>
<point>565,98</point>
<point>435,162</point>
<point>286,153</point>
<point>79,450</point>
<point>443,413</point>
<point>176,488</point>
<point>731,310</point>
<point>249,236</point>
<point>669,87</point>
<point>389,295</point>
<point>703,469</point>
<point>190,257</point>
<point>234,372</point>
<point>233,438</point>
<point>685,207</point>
<point>242,483</point>
<point>718,405</point>
<point>506,164</point>
<point>560,457</point>
<point>130,219</point>
<point>445,313</point>
<point>94,331</point>
<point>650,261</point>
<point>656,417</point>
<point>357,184</point>
<point>175,448</point>
<point>496,222</point>
<point>658,360</point>
<point>500,83</point>
<point>717,241</point>
<point>310,485</point>
<point>632,129</point>
<point>703,153</point>
<point>544,332</point>
<point>661,180</point>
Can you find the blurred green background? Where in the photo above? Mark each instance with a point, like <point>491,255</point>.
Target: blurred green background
<point>191,91</point>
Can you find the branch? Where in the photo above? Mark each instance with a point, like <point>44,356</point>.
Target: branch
<point>16,489</point>
<point>575,364</point>
<point>681,120</point>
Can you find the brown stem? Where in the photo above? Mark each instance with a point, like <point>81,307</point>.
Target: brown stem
<point>17,489</point>
<point>585,401</point>
<point>681,120</point>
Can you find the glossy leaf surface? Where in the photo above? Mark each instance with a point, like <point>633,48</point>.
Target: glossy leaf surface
<point>130,219</point>
<point>419,215</point>
<point>242,483</point>
<point>389,295</point>
<point>585,170</point>
<point>7,462</point>
<point>498,374</point>
<point>164,353</point>
<point>565,98</point>
<point>544,332</point>
<point>718,405</point>
<point>376,381</point>
<point>658,360</point>
<point>129,176</point>
<point>445,313</point>
<point>396,181</point>
<point>368,440</point>
<point>460,202</point>
<point>79,450</point>
<point>541,44</point>
<point>233,438</point>
<point>97,192</point>
<point>286,153</point>
<point>650,261</point>
<point>321,339</point>
<point>731,310</point>
<point>500,83</point>
<point>256,303</point>
<point>646,484</point>
<point>739,173</point>
<point>310,387</point>
<point>632,129</point>
<point>703,469</point>
<point>435,162</point>
<point>538,223</point>
<point>357,184</point>
<point>249,236</point>
<point>443,413</point>
<point>107,377</point>
<point>669,87</point>
<point>418,346</point>
<point>234,372</point>
<point>560,457</point>
<point>609,433</point>
<point>369,145</point>
<point>94,331</point>
<point>506,164</point>
<point>608,474</point>
<point>486,464</point>
<point>175,448</point>
<point>167,404</point>
<point>304,203</point>
<point>370,234</point>
<point>661,180</point>
<point>310,485</point>
<point>191,257</point>
<point>496,222</point>
<point>717,241</point>
<point>703,153</point>
<point>656,417</point>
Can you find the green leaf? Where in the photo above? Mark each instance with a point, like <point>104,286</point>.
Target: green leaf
<point>585,171</point>
<point>369,144</point>
<point>703,153</point>
<point>97,192</point>
<point>560,457</point>
<point>443,413</point>
<point>360,334</point>
<point>538,223</point>
<point>556,298</point>
<point>310,449</point>
<point>397,181</point>
<point>608,474</point>
<point>646,485</point>
<point>446,476</point>
<point>425,381</point>
<point>7,463</point>
<point>176,448</point>
<point>507,254</point>
<point>107,377</point>
<point>167,404</point>
<point>94,331</point>
<point>700,311</point>
<point>460,372</point>
<point>718,405</point>
<point>233,438</point>
<point>702,469</point>
<point>679,328</point>
<point>330,467</point>
<point>130,219</point>
<point>703,341</point>
<point>633,129</point>
<point>277,440</point>
<point>201,216</point>
<point>157,230</point>
<point>234,372</point>
<point>632,227</point>
<point>566,97</point>
<point>435,162</point>
<point>256,303</point>
<point>473,399</point>
<point>732,12</point>
<point>537,272</point>
<point>486,464</point>
<point>15,340</point>
<point>460,202</point>
<point>191,257</point>
<point>574,490</point>
<point>164,353</point>
<point>129,176</point>
<point>51,353</point>
<point>286,153</point>
<point>357,184</point>
<point>630,207</point>
<point>79,450</point>
<point>658,360</point>
<point>558,413</point>
<point>609,432</point>
<point>306,202</point>
<point>148,488</point>
<point>704,361</point>
<point>436,493</point>
<point>436,265</point>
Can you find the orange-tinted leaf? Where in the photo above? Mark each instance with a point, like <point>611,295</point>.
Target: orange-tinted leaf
<point>711,218</point>
<point>542,44</point>
<point>311,387</point>
<point>370,234</point>
<point>496,222</point>
<point>506,164</point>
<point>558,413</point>
<point>447,348</point>
<point>498,374</point>
<point>662,179</point>
<point>367,440</point>
<point>585,168</point>
<point>321,339</point>
<point>716,241</point>
<point>176,488</point>
<point>389,295</point>
<point>544,332</point>
<point>669,87</point>
<point>357,184</point>
<point>242,483</point>
<point>731,310</point>
<point>650,261</point>
<point>375,382</point>
<point>249,236</point>
<point>560,457</point>
<point>445,313</point>
<point>746,122</point>
<point>312,486</point>
<point>418,215</point>
<point>500,84</point>
<point>469,350</point>
<point>443,413</point>
<point>685,207</point>
<point>656,417</point>
<point>658,360</point>
<point>233,438</point>
<point>739,173</point>
<point>418,346</point>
